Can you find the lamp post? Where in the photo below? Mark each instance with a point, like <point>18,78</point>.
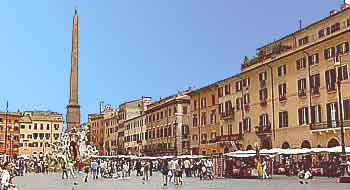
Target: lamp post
<point>344,178</point>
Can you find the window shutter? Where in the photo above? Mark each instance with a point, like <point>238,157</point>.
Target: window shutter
<point>327,76</point>
<point>310,60</point>
<point>307,115</point>
<point>313,114</point>
<point>280,119</point>
<point>332,51</point>
<point>319,113</point>
<point>346,105</point>
<point>346,47</point>
<point>317,58</point>
<point>325,53</point>
<point>329,117</point>
<point>300,115</point>
<point>286,119</point>
<point>336,112</point>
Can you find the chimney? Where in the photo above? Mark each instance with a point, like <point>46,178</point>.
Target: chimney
<point>333,12</point>
<point>344,6</point>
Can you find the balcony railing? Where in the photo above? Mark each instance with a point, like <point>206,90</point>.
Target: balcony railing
<point>263,129</point>
<point>282,98</point>
<point>227,115</point>
<point>329,125</point>
<point>315,91</point>
<point>263,101</point>
<point>301,92</point>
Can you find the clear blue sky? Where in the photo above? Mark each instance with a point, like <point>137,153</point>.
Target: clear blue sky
<point>134,48</point>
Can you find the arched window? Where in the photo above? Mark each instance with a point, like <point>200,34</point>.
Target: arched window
<point>285,145</point>
<point>305,144</point>
<point>333,143</point>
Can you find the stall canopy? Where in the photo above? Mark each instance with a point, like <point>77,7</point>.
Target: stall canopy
<point>278,151</point>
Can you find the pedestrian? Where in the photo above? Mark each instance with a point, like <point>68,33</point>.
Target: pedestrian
<point>94,166</point>
<point>165,171</point>
<point>5,179</point>
<point>264,169</point>
<point>86,171</point>
<point>64,170</point>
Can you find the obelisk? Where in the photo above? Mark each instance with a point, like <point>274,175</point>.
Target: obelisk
<point>73,108</point>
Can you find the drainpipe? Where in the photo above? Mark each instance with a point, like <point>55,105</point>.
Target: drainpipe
<point>273,103</point>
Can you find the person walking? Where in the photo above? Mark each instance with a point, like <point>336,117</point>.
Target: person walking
<point>165,171</point>
<point>94,166</point>
<point>86,171</point>
<point>5,179</point>
<point>64,170</point>
<point>264,169</point>
<point>187,165</point>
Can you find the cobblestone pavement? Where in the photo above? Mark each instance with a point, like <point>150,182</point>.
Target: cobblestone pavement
<point>54,182</point>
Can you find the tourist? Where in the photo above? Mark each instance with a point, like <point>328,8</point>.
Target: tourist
<point>187,165</point>
<point>86,171</point>
<point>264,169</point>
<point>64,170</point>
<point>146,171</point>
<point>5,179</point>
<point>165,171</point>
<point>94,166</point>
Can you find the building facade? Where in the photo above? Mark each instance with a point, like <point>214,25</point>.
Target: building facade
<point>167,126</point>
<point>38,131</point>
<point>205,125</point>
<point>134,135</point>
<point>9,137</point>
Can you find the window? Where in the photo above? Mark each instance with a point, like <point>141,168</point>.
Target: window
<point>213,135</point>
<point>203,102</point>
<point>346,106</point>
<point>301,63</point>
<point>229,129</point>
<point>282,70</point>
<point>213,117</point>
<point>283,119</point>
<point>264,120</point>
<point>221,108</point>
<point>329,53</point>
<point>303,41</point>
<point>35,135</point>
<point>184,111</point>
<point>330,79</point>
<point>263,76</point>
<point>195,137</point>
<point>203,119</point>
<point>303,116</point>
<point>194,105</point>
<point>238,86</point>
<point>239,103</point>
<point>343,73</point>
<point>35,126</point>
<point>246,82</point>
<point>315,114</point>
<point>321,33</point>
<point>22,136</point>
<point>246,124</point>
<point>342,48</point>
<point>263,94</point>
<point>195,120</point>
<point>302,87</point>
<point>282,91</point>
<point>228,107</point>
<point>213,102</point>
<point>47,126</point>
<point>161,114</point>
<point>23,126</point>
<point>220,92</point>
<point>204,137</point>
<point>315,84</point>
<point>227,89</point>
<point>41,126</point>
<point>335,27</point>
<point>313,59</point>
<point>332,114</point>
<point>246,99</point>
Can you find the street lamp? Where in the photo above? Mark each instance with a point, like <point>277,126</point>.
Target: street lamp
<point>345,178</point>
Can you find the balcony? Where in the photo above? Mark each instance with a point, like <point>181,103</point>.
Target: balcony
<point>246,107</point>
<point>302,93</point>
<point>263,130</point>
<point>212,141</point>
<point>282,98</point>
<point>326,126</point>
<point>331,88</point>
<point>315,91</point>
<point>227,115</point>
<point>263,101</point>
